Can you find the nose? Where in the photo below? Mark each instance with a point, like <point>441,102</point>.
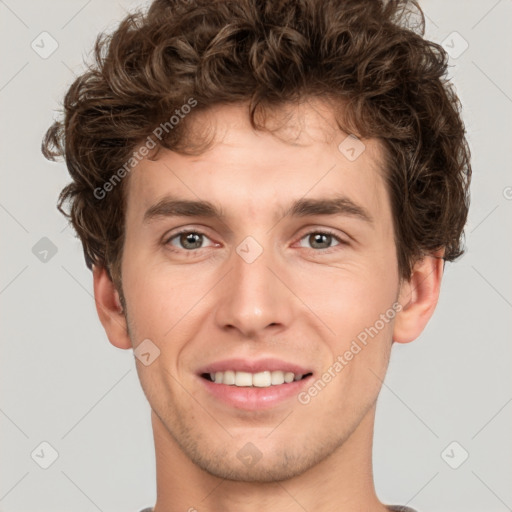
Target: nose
<point>254,296</point>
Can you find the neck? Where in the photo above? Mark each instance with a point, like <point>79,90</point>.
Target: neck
<point>342,482</point>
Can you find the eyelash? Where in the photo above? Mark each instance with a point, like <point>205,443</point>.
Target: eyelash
<point>314,232</point>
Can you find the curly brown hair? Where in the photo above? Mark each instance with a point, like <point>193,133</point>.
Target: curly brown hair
<point>389,81</point>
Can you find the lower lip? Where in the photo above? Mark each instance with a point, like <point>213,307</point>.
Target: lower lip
<point>252,398</point>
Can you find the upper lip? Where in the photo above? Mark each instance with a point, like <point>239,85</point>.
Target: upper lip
<point>253,366</point>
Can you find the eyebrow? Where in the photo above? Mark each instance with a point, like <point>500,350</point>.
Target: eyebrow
<point>338,205</point>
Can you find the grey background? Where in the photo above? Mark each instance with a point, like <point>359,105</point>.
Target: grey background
<point>63,383</point>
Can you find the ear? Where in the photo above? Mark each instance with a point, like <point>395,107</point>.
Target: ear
<point>109,309</point>
<point>418,297</point>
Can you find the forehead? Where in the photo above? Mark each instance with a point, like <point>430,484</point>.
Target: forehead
<point>305,155</point>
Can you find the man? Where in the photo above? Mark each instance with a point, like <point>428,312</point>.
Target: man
<point>266,192</point>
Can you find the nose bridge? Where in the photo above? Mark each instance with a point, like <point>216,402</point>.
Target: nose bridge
<point>253,297</point>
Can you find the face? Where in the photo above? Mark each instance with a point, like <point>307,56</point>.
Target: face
<point>262,287</point>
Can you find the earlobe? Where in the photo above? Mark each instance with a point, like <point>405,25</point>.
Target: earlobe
<point>109,308</point>
<point>418,297</point>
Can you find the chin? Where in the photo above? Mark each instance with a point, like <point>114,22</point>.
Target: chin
<point>274,463</point>
<point>280,468</point>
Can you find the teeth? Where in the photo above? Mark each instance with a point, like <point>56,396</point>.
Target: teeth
<point>288,377</point>
<point>229,377</point>
<point>242,379</point>
<point>262,380</point>
<point>259,380</point>
<point>277,378</point>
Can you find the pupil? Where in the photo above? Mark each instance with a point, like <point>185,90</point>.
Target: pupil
<point>317,237</point>
<point>189,238</point>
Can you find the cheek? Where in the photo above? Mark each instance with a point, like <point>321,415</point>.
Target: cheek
<point>164,305</point>
<point>349,297</point>
<point>151,300</point>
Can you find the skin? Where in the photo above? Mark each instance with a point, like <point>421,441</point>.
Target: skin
<point>300,300</point>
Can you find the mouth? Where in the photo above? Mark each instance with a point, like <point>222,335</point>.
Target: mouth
<point>261,390</point>
<point>263,379</point>
<point>254,384</point>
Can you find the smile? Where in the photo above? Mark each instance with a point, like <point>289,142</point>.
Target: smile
<point>262,379</point>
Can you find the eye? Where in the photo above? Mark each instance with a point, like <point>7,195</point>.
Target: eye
<point>188,240</point>
<point>322,239</point>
